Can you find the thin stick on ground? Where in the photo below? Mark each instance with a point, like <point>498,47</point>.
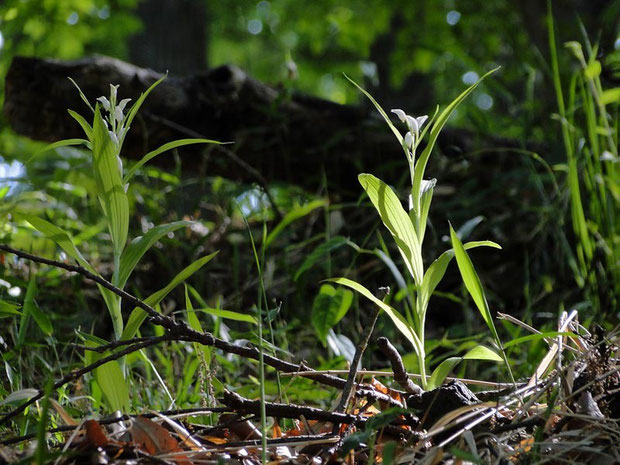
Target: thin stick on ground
<point>347,391</point>
<point>178,331</point>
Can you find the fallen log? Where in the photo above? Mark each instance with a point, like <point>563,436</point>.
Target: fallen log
<point>284,136</point>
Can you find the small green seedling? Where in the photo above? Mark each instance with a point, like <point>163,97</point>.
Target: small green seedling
<point>408,229</point>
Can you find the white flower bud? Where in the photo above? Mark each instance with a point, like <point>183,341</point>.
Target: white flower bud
<point>113,90</point>
<point>105,103</point>
<point>113,137</point>
<point>123,103</point>
<point>421,120</point>
<point>400,113</point>
<point>409,140</point>
<point>412,124</point>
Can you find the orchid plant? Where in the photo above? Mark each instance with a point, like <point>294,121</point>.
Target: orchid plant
<point>104,139</point>
<point>408,229</point>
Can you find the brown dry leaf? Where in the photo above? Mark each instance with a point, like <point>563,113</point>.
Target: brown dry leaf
<point>294,431</point>
<point>277,431</point>
<point>68,419</point>
<point>243,429</point>
<point>523,447</point>
<point>95,434</point>
<point>154,439</point>
<point>382,388</point>
<point>379,386</point>
<point>215,439</point>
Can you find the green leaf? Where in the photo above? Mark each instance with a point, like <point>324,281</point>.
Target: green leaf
<point>228,314</point>
<point>401,323</point>
<point>164,148</point>
<point>87,128</point>
<point>138,247</point>
<point>481,352</point>
<point>318,253</point>
<point>107,167</point>
<point>472,282</point>
<point>438,125</point>
<point>56,145</point>
<point>536,337</point>
<point>610,96</point>
<point>192,319</point>
<point>435,273</point>
<point>136,106</point>
<point>293,215</point>
<point>22,394</point>
<point>593,70</point>
<point>112,383</point>
<point>442,371</point>
<point>380,110</point>
<point>56,234</point>
<point>427,197</point>
<point>138,315</point>
<point>397,221</point>
<point>31,309</point>
<point>8,309</point>
<point>82,95</point>
<point>329,307</point>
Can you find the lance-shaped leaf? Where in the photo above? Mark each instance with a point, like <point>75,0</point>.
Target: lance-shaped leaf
<point>136,106</point>
<point>138,247</point>
<point>472,283</point>
<point>109,180</point>
<point>294,215</point>
<point>435,273</point>
<point>380,110</point>
<point>56,234</point>
<point>169,146</point>
<point>87,128</point>
<point>57,145</point>
<point>395,218</point>
<point>442,371</point>
<point>138,315</point>
<point>401,323</point>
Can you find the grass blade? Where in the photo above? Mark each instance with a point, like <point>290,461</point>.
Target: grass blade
<point>294,215</point>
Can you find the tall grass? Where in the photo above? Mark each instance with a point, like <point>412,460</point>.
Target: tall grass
<point>588,116</point>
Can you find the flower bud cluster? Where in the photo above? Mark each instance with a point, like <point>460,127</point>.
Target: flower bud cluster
<point>115,118</point>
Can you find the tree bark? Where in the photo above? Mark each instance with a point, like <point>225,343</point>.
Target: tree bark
<point>174,36</point>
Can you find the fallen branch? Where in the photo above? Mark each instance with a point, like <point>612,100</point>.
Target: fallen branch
<point>243,405</point>
<point>178,331</point>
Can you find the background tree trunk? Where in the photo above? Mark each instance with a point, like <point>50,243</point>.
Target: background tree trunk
<point>174,36</point>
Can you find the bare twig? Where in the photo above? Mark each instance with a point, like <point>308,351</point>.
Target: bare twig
<point>178,331</point>
<point>108,421</point>
<point>241,404</point>
<point>347,391</point>
<point>400,374</point>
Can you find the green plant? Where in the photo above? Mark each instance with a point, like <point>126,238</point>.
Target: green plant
<point>104,139</point>
<point>588,115</point>
<point>408,230</point>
